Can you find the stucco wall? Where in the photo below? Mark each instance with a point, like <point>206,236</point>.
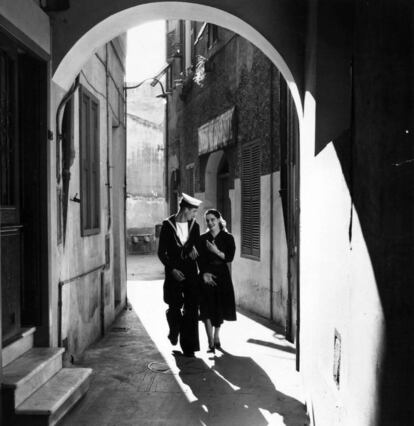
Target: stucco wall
<point>145,157</point>
<point>252,277</point>
<point>347,204</point>
<point>90,300</point>
<point>144,212</point>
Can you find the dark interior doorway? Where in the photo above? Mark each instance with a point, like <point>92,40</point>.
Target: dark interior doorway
<point>23,197</point>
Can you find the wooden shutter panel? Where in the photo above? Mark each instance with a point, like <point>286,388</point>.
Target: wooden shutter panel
<point>245,207</point>
<point>255,200</point>
<point>250,197</point>
<point>84,132</point>
<point>95,169</point>
<point>90,166</point>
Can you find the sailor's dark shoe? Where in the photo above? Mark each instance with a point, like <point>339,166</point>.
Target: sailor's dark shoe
<point>173,339</point>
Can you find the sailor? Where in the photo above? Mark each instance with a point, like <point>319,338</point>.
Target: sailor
<point>179,236</point>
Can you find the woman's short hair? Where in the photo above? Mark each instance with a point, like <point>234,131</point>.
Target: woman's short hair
<point>217,214</point>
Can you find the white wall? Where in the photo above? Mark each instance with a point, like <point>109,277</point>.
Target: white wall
<point>82,298</point>
<point>338,292</point>
<point>251,278</point>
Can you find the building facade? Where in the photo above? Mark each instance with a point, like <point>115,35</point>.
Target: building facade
<point>63,273</point>
<point>231,121</point>
<point>91,231</point>
<point>145,165</point>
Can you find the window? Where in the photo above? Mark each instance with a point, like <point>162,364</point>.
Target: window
<point>250,201</point>
<point>212,35</point>
<point>189,179</point>
<point>90,167</point>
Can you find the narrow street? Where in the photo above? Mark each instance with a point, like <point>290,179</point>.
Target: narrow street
<point>137,380</point>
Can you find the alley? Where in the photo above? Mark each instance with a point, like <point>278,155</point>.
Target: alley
<point>137,380</point>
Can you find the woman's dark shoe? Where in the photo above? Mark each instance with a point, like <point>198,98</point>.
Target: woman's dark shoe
<point>217,344</point>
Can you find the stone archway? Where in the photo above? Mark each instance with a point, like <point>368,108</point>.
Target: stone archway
<point>84,27</point>
<point>275,29</point>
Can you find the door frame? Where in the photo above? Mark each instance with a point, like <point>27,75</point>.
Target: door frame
<point>43,136</point>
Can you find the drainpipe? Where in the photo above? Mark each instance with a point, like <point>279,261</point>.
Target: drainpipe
<point>108,166</point>
<point>102,307</point>
<point>271,252</point>
<point>125,187</point>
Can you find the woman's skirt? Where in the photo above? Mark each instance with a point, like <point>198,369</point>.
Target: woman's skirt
<point>217,303</point>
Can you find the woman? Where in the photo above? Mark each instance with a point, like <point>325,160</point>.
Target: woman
<point>216,250</point>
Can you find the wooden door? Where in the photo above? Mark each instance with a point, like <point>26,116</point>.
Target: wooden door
<point>23,191</point>
<point>11,229</point>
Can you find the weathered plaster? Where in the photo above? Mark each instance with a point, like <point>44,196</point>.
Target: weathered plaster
<point>89,299</point>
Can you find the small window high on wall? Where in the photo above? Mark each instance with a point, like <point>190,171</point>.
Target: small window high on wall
<point>250,201</point>
<point>89,157</point>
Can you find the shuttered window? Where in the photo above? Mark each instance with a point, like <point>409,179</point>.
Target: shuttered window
<point>250,201</point>
<point>90,169</point>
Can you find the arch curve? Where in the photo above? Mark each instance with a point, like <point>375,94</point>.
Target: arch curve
<point>72,49</point>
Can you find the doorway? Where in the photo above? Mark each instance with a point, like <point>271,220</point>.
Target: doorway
<point>23,197</point>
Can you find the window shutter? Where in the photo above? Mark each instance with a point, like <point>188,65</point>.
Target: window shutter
<point>90,165</point>
<point>250,198</point>
<point>95,199</point>
<point>84,130</point>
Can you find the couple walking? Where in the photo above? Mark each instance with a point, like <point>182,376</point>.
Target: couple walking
<point>197,278</point>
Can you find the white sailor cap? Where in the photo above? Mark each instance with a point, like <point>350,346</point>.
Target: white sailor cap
<point>190,201</point>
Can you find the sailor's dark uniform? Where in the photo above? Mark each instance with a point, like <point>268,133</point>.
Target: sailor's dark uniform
<point>181,297</point>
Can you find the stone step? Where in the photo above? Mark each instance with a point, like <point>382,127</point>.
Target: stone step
<point>30,371</point>
<point>20,344</point>
<point>55,398</point>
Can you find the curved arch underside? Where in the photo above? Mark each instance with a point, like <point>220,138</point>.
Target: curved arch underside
<point>274,26</point>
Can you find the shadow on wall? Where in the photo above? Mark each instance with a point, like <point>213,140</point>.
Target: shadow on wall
<point>377,160</point>
<point>257,401</point>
